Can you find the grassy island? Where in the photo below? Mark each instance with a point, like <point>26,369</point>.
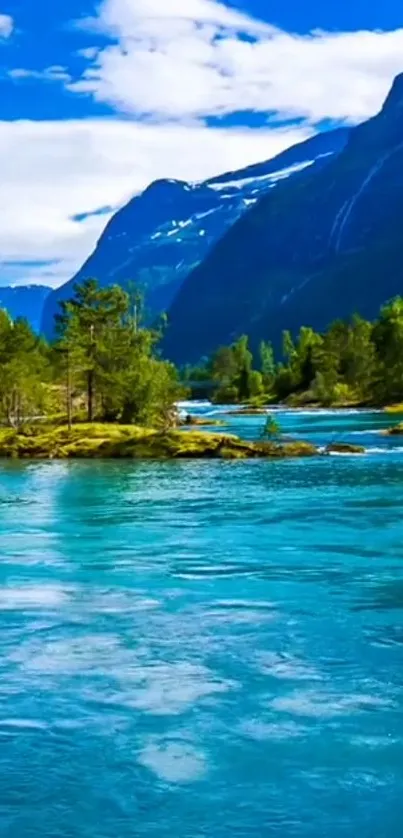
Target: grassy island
<point>394,409</point>
<point>86,441</point>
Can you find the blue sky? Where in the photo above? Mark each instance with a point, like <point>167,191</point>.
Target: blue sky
<point>97,99</point>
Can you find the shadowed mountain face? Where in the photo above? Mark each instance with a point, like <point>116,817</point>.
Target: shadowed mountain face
<point>25,301</point>
<point>163,234</point>
<point>321,246</point>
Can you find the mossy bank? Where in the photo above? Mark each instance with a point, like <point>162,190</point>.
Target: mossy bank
<point>88,441</point>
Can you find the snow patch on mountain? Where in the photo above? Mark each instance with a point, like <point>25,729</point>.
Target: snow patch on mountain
<point>160,236</point>
<point>260,180</point>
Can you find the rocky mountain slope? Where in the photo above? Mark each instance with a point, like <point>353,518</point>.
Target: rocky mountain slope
<point>325,244</point>
<point>164,233</point>
<point>24,301</point>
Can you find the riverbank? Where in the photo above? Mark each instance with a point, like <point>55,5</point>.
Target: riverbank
<point>251,409</point>
<point>92,441</point>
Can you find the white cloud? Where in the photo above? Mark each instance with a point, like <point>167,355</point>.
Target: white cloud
<point>6,26</point>
<point>54,73</point>
<point>137,15</point>
<point>184,60</point>
<point>89,53</point>
<point>177,61</point>
<point>58,169</point>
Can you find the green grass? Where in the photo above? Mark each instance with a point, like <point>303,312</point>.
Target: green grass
<point>199,422</point>
<point>394,408</point>
<point>88,441</point>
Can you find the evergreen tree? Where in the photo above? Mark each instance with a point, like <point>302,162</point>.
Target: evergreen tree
<point>114,356</point>
<point>243,359</point>
<point>388,339</point>
<point>223,367</point>
<point>360,358</point>
<point>84,327</point>
<point>267,365</point>
<point>24,372</point>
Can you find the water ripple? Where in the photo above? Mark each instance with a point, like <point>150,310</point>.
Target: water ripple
<point>198,649</point>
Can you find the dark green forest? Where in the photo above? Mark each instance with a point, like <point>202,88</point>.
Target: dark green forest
<point>352,362</point>
<point>105,365</point>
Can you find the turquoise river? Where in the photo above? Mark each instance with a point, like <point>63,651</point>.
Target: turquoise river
<point>205,648</point>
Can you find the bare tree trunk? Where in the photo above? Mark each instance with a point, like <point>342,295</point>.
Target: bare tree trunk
<point>68,393</point>
<point>14,409</point>
<point>90,395</point>
<point>90,378</point>
<point>19,411</point>
<point>10,416</point>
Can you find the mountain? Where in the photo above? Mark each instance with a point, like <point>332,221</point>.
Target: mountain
<point>319,247</point>
<point>25,301</point>
<point>160,236</point>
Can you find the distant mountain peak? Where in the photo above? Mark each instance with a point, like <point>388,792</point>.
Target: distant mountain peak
<point>394,99</point>
<point>326,245</point>
<point>162,234</point>
<point>24,301</point>
<point>168,185</point>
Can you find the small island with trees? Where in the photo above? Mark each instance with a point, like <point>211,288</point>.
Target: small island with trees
<point>101,388</point>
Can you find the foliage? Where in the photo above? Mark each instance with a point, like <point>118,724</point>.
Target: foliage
<point>105,364</point>
<point>112,356</point>
<point>230,374</point>
<point>120,441</point>
<point>24,368</point>
<point>271,428</point>
<point>352,362</point>
<point>388,340</point>
<point>267,365</point>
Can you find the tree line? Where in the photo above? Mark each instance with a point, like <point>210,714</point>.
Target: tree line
<point>353,362</point>
<point>106,364</point>
<point>103,364</point>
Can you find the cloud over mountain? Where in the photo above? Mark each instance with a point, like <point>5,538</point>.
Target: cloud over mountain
<point>190,61</point>
<point>184,82</point>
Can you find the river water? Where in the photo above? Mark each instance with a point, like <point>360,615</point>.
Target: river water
<point>205,648</point>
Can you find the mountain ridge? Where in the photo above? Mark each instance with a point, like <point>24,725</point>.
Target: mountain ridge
<point>300,254</point>
<point>25,301</point>
<point>161,235</point>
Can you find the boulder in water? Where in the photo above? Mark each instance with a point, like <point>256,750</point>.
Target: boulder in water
<point>396,430</point>
<point>201,421</point>
<point>344,448</point>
